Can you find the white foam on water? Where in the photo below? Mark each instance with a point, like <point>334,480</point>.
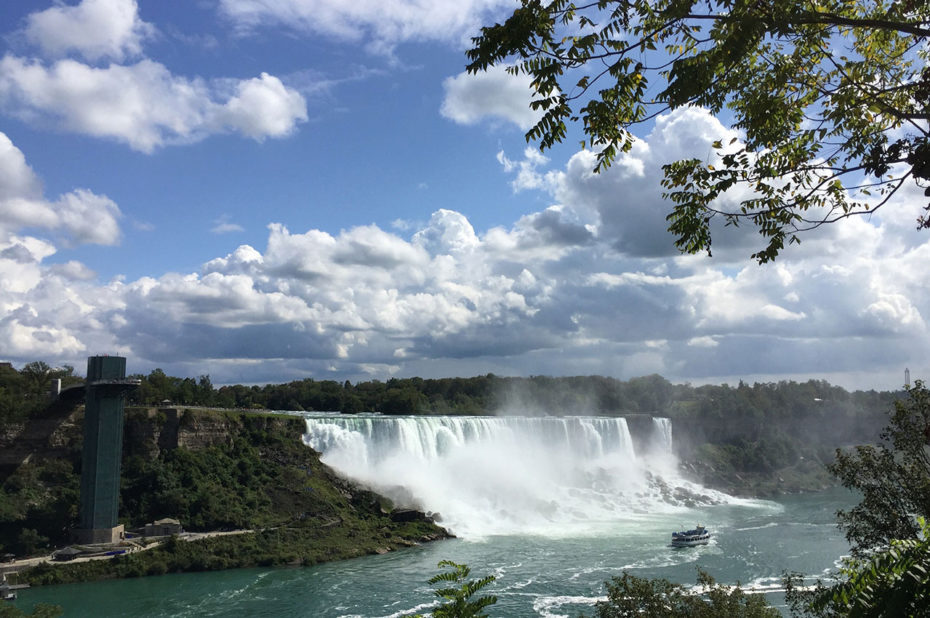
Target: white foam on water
<point>544,606</point>
<point>764,585</point>
<point>412,611</point>
<point>768,525</point>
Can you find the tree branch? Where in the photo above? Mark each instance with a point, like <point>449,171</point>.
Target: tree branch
<point>828,19</point>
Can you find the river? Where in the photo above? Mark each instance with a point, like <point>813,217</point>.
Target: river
<point>552,507</point>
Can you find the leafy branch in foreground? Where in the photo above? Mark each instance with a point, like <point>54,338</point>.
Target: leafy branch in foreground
<point>893,477</point>
<point>888,583</point>
<point>459,602</point>
<point>831,99</point>
<point>889,573</point>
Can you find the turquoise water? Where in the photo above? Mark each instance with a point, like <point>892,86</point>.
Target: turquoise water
<point>538,575</point>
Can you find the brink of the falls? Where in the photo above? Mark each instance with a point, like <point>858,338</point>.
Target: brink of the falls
<point>553,476</point>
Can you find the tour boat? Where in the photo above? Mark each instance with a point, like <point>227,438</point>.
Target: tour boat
<point>690,538</point>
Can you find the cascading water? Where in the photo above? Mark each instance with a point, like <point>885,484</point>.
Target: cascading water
<point>662,430</point>
<point>509,475</point>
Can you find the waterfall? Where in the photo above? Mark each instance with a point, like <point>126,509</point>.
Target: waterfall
<point>662,430</point>
<point>506,475</point>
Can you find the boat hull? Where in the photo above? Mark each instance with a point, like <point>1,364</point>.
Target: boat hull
<point>690,538</point>
<point>691,542</point>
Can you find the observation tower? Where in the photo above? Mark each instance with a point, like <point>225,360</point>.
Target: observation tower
<point>103,448</point>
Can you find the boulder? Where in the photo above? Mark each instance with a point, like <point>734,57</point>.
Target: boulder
<point>405,515</point>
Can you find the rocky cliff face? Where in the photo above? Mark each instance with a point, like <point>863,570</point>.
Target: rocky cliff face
<point>58,433</point>
<point>149,431</point>
<point>54,434</point>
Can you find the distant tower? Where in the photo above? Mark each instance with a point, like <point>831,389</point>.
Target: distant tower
<point>907,378</point>
<point>103,448</point>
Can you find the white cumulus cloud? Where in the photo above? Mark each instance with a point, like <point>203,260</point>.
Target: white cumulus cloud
<point>263,107</point>
<point>382,24</point>
<point>537,297</point>
<point>77,217</point>
<point>492,94</point>
<point>144,105</point>
<point>95,29</point>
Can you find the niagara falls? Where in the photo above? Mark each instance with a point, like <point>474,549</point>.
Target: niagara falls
<point>547,476</point>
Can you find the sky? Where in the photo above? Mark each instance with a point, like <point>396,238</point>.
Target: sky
<point>264,191</point>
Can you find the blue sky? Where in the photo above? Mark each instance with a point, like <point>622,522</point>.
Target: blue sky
<point>272,191</point>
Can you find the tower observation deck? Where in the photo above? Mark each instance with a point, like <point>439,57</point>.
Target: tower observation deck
<point>103,448</point>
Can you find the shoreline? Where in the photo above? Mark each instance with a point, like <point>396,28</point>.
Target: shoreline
<point>225,550</point>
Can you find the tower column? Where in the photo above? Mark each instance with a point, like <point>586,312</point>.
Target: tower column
<point>103,449</point>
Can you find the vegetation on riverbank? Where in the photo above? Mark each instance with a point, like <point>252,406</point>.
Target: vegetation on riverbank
<point>299,544</point>
<point>39,610</point>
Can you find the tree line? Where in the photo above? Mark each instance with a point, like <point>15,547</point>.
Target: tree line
<point>763,421</point>
<point>739,438</point>
<point>491,394</point>
<point>25,392</point>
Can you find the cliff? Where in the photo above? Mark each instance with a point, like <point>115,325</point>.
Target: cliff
<point>54,433</point>
<point>150,431</point>
<point>211,470</point>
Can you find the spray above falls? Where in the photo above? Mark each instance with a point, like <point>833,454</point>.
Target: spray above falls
<point>510,475</point>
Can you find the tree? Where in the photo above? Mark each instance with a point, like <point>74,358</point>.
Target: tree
<point>39,610</point>
<point>888,583</point>
<point>831,97</point>
<point>36,378</point>
<point>29,541</point>
<point>889,573</point>
<point>459,602</point>
<point>892,476</point>
<point>205,393</point>
<point>630,596</point>
<point>400,401</point>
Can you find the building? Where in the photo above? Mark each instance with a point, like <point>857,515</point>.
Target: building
<point>67,554</point>
<point>163,527</point>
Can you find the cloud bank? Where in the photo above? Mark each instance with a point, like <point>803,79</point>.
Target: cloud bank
<point>583,286</point>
